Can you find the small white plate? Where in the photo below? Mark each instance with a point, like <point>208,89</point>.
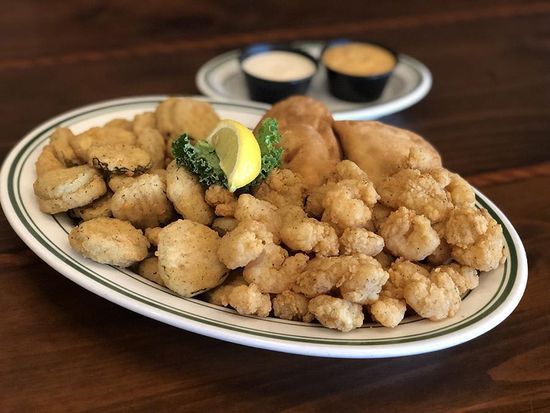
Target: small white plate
<point>222,78</point>
<point>498,294</point>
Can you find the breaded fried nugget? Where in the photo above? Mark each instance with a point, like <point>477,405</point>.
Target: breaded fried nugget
<point>251,208</point>
<point>187,194</point>
<point>109,241</point>
<point>60,141</point>
<point>126,160</point>
<point>101,207</point>
<point>364,278</point>
<point>476,238</point>
<point>188,262</point>
<point>464,277</point>
<point>336,313</point>
<point>223,201</point>
<point>82,142</point>
<point>418,191</point>
<point>360,241</point>
<point>435,297</point>
<point>388,311</point>
<point>59,190</point>
<point>149,268</point>
<point>274,271</point>
<point>401,271</point>
<point>301,233</point>
<point>320,276</point>
<point>223,225</point>
<point>117,182</point>
<point>152,142</point>
<point>143,202</point>
<point>244,244</point>
<point>409,235</point>
<point>120,124</point>
<point>220,294</point>
<point>47,161</point>
<point>145,120</point>
<point>249,300</point>
<point>152,235</point>
<point>289,305</point>
<point>185,115</point>
<point>282,187</point>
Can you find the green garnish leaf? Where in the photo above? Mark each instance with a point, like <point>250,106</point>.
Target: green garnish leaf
<point>268,137</point>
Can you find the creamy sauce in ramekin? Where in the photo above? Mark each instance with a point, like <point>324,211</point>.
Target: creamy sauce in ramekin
<point>359,59</point>
<point>279,66</point>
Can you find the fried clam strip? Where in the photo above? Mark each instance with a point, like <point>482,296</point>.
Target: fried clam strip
<point>336,313</point>
<point>143,202</point>
<point>301,233</point>
<point>282,187</point>
<point>476,239</point>
<point>188,261</point>
<point>109,241</point>
<point>274,271</point>
<point>60,190</point>
<point>187,194</point>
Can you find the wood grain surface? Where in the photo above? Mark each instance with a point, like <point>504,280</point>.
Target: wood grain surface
<point>65,349</point>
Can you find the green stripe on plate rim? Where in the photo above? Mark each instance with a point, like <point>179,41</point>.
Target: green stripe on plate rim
<point>14,175</point>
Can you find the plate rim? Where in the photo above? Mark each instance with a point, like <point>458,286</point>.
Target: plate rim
<point>327,350</point>
<point>370,112</point>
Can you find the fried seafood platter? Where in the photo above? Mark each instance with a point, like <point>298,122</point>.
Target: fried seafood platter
<point>303,218</point>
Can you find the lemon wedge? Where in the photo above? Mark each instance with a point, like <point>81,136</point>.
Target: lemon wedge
<point>238,151</point>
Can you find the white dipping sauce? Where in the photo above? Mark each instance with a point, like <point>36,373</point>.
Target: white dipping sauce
<point>279,66</point>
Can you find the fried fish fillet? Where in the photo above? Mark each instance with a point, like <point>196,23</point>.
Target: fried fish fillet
<point>311,148</point>
<point>381,149</point>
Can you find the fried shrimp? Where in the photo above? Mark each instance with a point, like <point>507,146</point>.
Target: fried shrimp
<point>336,313</point>
<point>300,233</point>
<point>289,305</point>
<point>244,244</point>
<point>59,190</point>
<point>409,235</point>
<point>282,187</point>
<point>187,194</point>
<point>364,279</point>
<point>143,202</point>
<point>388,311</point>
<point>251,208</point>
<point>249,300</point>
<point>360,241</point>
<point>109,241</point>
<point>223,201</point>
<point>126,160</point>
<point>188,261</point>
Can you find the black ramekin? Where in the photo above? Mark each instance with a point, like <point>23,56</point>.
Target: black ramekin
<point>270,91</point>
<point>357,88</point>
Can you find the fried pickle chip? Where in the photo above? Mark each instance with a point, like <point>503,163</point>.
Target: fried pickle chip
<point>184,115</point>
<point>151,141</point>
<point>109,241</point>
<point>145,120</point>
<point>82,142</point>
<point>60,141</point>
<point>188,261</point>
<point>101,207</point>
<point>119,123</point>
<point>47,161</point>
<point>126,160</point>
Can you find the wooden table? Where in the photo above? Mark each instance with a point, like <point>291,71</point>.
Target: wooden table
<point>65,349</point>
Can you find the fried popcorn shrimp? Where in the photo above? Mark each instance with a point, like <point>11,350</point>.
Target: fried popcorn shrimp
<point>349,204</point>
<point>360,241</point>
<point>220,294</point>
<point>60,141</point>
<point>244,244</point>
<point>101,207</point>
<point>435,297</point>
<point>149,268</point>
<point>417,191</point>
<point>442,253</point>
<point>282,187</point>
<point>466,225</point>
<point>185,115</point>
<point>462,193</point>
<point>223,225</point>
<point>388,311</point>
<point>188,261</point>
<point>409,235</point>
<point>109,241</point>
<point>143,202</point>
<point>251,208</point>
<point>59,190</point>
<point>47,161</point>
<point>126,160</point>
<point>223,201</point>
<point>364,279</point>
<point>152,142</point>
<point>401,271</point>
<point>301,233</point>
<point>336,313</point>
<point>145,120</point>
<point>464,277</point>
<point>82,142</point>
<point>274,271</point>
<point>187,194</point>
<point>249,300</point>
<point>152,235</point>
<point>320,276</point>
<point>289,305</point>
<point>379,215</point>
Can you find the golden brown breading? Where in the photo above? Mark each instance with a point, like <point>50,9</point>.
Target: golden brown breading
<point>109,241</point>
<point>188,262</point>
<point>152,142</point>
<point>82,142</point>
<point>126,160</point>
<point>282,187</point>
<point>223,225</point>
<point>336,313</point>
<point>47,161</point>
<point>120,124</point>
<point>101,207</point>
<point>244,244</point>
<point>289,305</point>
<point>145,120</point>
<point>388,311</point>
<point>60,141</point>
<point>222,200</point>
<point>360,241</point>
<point>149,268</point>
<point>249,300</point>
<point>250,208</point>
<point>152,235</point>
